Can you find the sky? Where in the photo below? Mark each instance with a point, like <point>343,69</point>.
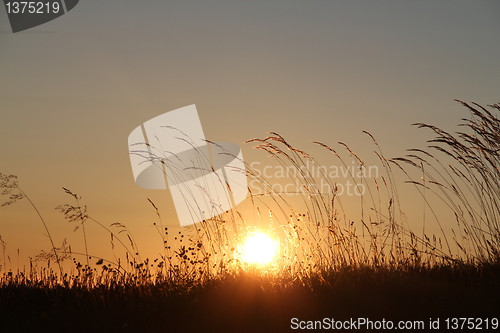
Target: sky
<point>72,90</point>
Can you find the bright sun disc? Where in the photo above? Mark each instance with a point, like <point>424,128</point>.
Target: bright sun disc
<point>259,249</point>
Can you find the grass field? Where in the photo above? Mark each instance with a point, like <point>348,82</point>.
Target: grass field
<point>246,303</point>
<point>332,262</point>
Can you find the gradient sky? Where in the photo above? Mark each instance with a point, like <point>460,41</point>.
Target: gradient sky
<point>72,90</point>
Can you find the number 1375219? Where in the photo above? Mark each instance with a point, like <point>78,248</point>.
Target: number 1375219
<point>32,7</point>
<point>471,323</point>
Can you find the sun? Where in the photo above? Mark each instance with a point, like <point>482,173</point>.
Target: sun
<point>259,249</point>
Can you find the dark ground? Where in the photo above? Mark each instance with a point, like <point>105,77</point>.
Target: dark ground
<point>253,304</point>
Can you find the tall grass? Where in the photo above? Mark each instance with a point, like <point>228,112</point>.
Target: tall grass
<point>463,170</point>
<point>319,232</point>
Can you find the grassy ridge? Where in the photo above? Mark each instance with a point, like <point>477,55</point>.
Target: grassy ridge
<point>252,303</point>
<point>334,262</point>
